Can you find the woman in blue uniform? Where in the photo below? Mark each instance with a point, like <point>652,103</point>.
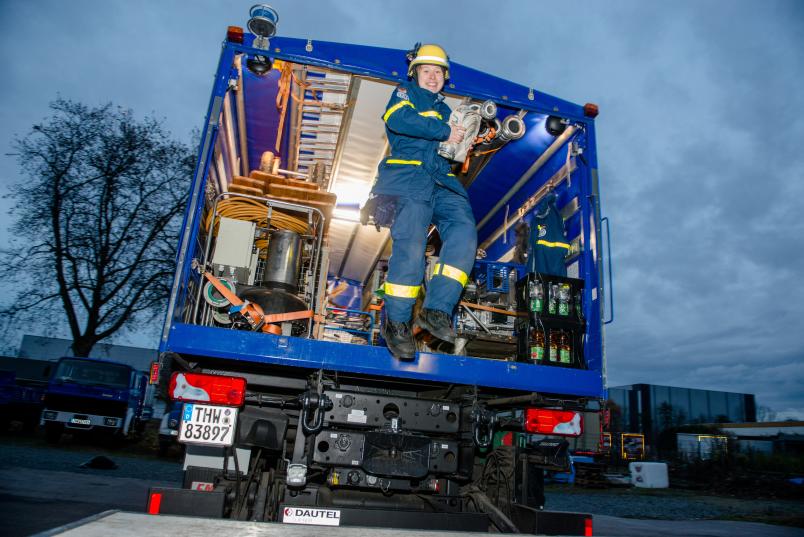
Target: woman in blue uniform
<point>414,188</point>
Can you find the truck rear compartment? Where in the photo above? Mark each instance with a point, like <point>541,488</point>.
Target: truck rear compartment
<point>327,428</point>
<point>343,139</point>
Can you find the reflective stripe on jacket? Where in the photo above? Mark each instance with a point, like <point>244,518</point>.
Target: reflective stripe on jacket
<point>548,245</point>
<point>415,123</point>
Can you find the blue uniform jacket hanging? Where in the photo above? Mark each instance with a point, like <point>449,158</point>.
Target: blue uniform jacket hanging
<point>548,245</point>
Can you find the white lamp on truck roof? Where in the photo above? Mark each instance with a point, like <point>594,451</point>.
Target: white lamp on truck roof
<point>262,24</point>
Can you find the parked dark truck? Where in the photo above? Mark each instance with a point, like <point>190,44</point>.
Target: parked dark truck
<point>22,384</point>
<point>294,411</point>
<point>91,395</point>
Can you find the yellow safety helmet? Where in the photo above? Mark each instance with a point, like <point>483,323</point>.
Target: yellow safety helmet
<point>428,55</point>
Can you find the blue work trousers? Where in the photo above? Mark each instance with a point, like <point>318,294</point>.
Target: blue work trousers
<point>452,215</point>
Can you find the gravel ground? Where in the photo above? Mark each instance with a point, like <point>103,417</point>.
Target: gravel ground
<point>668,504</point>
<point>30,452</point>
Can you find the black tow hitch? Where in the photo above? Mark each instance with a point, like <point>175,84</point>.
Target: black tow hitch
<point>483,422</point>
<point>311,421</point>
<point>317,404</point>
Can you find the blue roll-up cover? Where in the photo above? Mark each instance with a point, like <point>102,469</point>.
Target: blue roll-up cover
<point>494,181</point>
<point>496,178</point>
<point>262,120</point>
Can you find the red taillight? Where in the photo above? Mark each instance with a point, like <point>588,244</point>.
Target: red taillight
<point>590,110</point>
<point>200,388</point>
<point>234,34</point>
<point>587,527</point>
<point>605,442</point>
<point>154,503</point>
<point>560,422</point>
<point>153,378</point>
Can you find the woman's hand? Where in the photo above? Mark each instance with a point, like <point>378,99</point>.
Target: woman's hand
<point>456,133</point>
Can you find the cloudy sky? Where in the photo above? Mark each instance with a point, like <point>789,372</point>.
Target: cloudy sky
<point>700,141</point>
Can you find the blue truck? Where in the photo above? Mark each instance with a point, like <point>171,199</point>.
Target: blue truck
<point>290,417</point>
<point>88,395</point>
<point>22,384</point>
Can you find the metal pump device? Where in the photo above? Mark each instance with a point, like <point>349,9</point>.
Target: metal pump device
<point>482,127</point>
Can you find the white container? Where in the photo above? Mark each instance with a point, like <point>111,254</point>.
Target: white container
<point>649,475</point>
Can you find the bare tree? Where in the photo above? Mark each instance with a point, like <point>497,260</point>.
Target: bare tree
<point>96,221</point>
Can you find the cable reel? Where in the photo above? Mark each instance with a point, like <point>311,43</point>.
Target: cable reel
<point>219,303</point>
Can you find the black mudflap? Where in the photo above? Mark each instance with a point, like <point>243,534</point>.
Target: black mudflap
<point>383,518</point>
<point>534,521</point>
<point>170,501</point>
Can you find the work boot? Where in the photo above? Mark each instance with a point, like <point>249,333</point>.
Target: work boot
<point>399,339</point>
<point>437,323</point>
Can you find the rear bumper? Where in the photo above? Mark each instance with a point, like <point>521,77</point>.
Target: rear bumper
<point>296,352</point>
<point>86,422</point>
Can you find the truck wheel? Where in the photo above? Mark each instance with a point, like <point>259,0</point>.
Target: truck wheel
<point>53,432</point>
<point>30,423</point>
<point>115,440</point>
<point>497,479</point>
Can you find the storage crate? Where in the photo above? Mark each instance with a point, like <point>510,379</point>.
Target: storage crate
<point>550,308</point>
<point>554,315</point>
<point>551,356</point>
<point>271,179</point>
<point>496,275</point>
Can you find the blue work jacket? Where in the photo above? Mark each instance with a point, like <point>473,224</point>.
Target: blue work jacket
<point>548,244</point>
<point>416,121</point>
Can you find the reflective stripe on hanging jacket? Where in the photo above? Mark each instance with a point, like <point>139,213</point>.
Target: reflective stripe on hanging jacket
<point>548,245</point>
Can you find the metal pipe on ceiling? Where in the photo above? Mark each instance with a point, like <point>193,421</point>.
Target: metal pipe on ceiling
<point>241,118</point>
<point>551,183</point>
<point>557,143</point>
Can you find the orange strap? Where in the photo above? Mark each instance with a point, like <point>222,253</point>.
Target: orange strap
<point>228,295</point>
<point>465,166</point>
<point>290,316</point>
<point>494,310</point>
<point>273,318</point>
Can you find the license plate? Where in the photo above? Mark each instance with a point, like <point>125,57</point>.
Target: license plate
<point>207,424</point>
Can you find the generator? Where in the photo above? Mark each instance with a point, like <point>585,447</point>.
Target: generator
<point>485,322</point>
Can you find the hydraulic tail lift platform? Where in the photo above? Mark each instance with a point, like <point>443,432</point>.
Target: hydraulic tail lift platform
<point>123,524</point>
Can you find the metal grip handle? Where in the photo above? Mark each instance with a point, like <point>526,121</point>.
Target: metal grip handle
<point>610,293</point>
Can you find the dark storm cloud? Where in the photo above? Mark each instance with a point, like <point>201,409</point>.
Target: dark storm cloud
<point>715,231</point>
<point>699,141</point>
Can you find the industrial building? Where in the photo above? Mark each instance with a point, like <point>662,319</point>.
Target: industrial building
<point>649,408</point>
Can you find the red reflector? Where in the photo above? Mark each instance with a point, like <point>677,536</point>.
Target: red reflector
<point>590,110</point>
<point>153,378</point>
<point>234,34</point>
<point>200,388</point>
<point>587,527</point>
<point>154,503</point>
<point>560,422</point>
